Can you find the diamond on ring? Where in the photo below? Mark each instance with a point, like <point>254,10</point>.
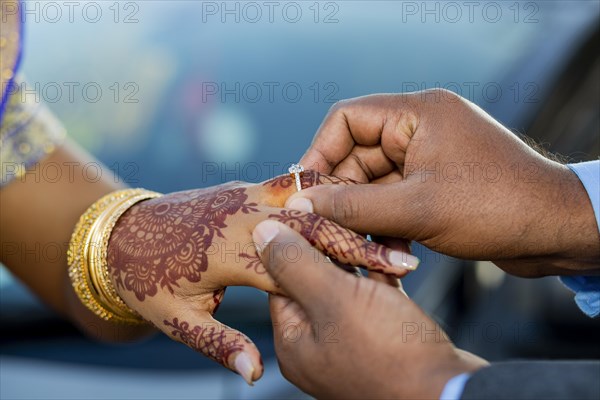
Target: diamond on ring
<point>296,171</point>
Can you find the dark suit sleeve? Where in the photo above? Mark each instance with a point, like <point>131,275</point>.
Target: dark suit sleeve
<point>535,380</point>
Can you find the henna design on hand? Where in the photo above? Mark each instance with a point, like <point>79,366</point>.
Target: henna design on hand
<point>217,299</point>
<point>164,244</point>
<point>342,244</point>
<point>214,340</point>
<point>254,263</point>
<point>160,241</point>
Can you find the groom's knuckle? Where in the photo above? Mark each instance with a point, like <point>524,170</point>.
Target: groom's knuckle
<point>344,207</point>
<point>338,107</point>
<point>277,258</point>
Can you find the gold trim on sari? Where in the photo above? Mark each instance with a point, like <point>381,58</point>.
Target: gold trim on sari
<point>29,132</point>
<point>10,42</point>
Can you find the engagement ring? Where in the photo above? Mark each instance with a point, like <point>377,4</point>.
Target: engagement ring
<point>296,171</point>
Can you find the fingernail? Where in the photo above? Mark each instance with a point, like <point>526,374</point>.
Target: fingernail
<point>264,233</point>
<point>244,367</point>
<point>301,204</point>
<point>404,260</point>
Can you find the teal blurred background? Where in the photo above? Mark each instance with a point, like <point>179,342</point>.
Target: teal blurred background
<point>246,92</point>
<point>174,95</point>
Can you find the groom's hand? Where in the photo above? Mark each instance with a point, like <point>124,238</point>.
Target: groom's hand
<point>455,180</point>
<point>340,336</point>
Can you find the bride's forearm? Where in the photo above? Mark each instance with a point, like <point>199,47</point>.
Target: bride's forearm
<point>39,211</point>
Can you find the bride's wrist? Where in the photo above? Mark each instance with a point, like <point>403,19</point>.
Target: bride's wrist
<point>87,256</point>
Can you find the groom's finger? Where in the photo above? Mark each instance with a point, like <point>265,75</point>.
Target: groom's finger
<point>285,312</point>
<point>365,164</point>
<point>302,272</point>
<point>349,122</point>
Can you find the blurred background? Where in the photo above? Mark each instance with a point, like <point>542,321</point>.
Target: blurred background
<point>174,95</point>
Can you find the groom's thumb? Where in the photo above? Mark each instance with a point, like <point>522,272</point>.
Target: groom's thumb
<point>378,209</point>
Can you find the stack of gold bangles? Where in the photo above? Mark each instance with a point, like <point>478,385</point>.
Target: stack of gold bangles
<point>88,268</point>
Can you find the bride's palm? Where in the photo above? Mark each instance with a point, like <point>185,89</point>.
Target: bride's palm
<point>172,257</point>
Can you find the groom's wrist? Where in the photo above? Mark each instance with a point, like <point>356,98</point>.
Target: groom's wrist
<point>577,230</point>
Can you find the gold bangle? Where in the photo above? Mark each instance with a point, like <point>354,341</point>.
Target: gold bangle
<point>87,256</point>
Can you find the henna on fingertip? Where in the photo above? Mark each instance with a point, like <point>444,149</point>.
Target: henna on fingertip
<point>218,342</point>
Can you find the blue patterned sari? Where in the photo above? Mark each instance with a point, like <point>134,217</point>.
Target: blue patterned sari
<point>28,131</point>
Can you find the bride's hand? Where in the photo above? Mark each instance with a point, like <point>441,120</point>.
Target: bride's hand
<point>172,257</point>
